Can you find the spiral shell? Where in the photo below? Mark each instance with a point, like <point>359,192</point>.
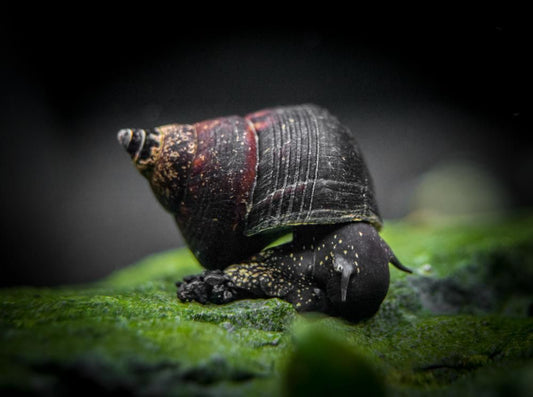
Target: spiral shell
<point>235,183</point>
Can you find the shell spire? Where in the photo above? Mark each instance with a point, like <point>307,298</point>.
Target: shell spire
<point>142,145</point>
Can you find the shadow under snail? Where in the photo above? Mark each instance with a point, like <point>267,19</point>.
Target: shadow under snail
<point>235,184</point>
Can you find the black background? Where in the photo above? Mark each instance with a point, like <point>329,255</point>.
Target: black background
<point>415,92</point>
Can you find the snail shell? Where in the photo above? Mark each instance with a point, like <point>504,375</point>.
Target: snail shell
<point>234,184</point>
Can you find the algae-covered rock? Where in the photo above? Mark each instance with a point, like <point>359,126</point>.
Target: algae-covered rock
<point>460,325</point>
<point>323,364</point>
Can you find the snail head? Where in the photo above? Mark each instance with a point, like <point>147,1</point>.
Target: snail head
<point>359,277</point>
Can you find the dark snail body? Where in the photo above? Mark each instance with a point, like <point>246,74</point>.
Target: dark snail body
<point>235,184</point>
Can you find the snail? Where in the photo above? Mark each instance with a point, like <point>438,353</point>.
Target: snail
<point>236,184</point>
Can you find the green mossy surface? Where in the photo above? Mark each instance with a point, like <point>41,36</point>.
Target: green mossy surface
<point>460,325</point>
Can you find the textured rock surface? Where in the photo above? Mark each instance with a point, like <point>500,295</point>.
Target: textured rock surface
<point>461,325</point>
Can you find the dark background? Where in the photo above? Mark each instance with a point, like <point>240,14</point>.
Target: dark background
<point>436,99</point>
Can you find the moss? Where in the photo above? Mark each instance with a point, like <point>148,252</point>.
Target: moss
<point>461,325</point>
<point>447,247</point>
<point>323,364</point>
<point>122,333</point>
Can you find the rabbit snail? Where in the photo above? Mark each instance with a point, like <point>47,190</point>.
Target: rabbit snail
<point>235,184</point>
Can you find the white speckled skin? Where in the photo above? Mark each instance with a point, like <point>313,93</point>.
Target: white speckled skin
<point>310,272</point>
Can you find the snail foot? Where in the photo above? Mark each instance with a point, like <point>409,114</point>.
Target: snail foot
<point>211,286</point>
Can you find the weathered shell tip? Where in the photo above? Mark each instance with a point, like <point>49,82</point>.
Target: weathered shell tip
<point>124,137</point>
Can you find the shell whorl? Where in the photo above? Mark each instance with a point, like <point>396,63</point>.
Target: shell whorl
<point>142,145</point>
<point>310,171</point>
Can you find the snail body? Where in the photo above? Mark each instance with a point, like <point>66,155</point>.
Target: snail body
<point>235,184</point>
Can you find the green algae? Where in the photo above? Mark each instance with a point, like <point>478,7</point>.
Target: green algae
<point>460,325</point>
<point>320,355</point>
